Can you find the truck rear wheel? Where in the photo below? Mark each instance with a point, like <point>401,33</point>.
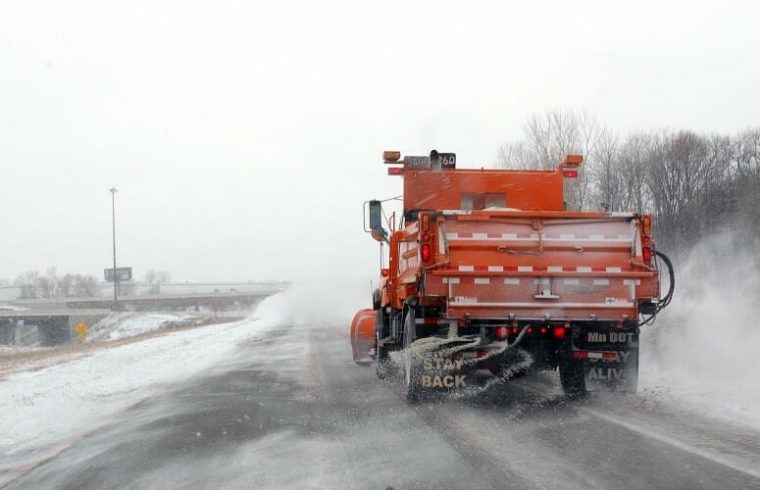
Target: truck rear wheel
<point>412,364</point>
<point>572,377</point>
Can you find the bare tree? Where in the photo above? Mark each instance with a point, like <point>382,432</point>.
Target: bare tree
<point>547,139</point>
<point>85,286</point>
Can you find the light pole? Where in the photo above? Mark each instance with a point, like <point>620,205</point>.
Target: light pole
<point>113,220</point>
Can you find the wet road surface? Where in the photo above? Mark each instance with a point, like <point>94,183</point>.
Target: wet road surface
<point>290,410</point>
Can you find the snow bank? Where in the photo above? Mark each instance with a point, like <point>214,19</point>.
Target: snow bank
<point>44,406</point>
<point>702,352</point>
<point>129,324</point>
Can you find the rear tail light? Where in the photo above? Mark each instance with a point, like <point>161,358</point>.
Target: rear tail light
<point>570,174</point>
<point>502,332</point>
<point>646,254</point>
<point>530,329</point>
<point>396,171</point>
<point>543,330</point>
<point>559,332</point>
<point>425,252</point>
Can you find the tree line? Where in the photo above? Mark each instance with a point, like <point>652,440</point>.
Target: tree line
<point>50,285</point>
<point>694,184</point>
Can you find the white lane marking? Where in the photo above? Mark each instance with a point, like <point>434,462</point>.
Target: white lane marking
<point>546,390</point>
<point>715,458</point>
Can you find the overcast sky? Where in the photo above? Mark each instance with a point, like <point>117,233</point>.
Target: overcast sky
<point>243,137</point>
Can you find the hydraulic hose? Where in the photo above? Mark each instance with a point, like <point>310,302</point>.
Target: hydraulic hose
<point>672,277</point>
<point>665,300</point>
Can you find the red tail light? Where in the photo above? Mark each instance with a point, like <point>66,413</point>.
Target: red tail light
<point>501,332</point>
<point>647,240</point>
<point>559,332</point>
<point>543,330</point>
<point>426,237</point>
<point>530,329</point>
<point>396,171</point>
<point>646,254</point>
<point>425,252</point>
<point>570,174</point>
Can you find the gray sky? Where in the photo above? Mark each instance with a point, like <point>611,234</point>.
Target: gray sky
<point>244,136</point>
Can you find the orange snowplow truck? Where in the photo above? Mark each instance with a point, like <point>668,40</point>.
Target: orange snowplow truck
<point>489,277</point>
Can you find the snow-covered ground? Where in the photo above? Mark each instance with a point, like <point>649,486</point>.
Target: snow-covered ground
<point>129,324</point>
<point>8,307</point>
<point>41,407</point>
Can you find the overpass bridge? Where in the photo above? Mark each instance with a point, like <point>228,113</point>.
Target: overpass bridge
<point>55,319</point>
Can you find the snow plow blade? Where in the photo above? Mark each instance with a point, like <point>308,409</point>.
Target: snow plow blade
<point>362,336</point>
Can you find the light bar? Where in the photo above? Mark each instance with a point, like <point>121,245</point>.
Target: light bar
<point>570,174</point>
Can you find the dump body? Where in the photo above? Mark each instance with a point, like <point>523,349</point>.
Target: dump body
<point>518,265</point>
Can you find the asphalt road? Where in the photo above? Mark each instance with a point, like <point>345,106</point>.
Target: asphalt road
<point>291,410</point>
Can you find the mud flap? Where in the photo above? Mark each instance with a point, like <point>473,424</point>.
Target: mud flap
<point>438,373</point>
<point>618,375</point>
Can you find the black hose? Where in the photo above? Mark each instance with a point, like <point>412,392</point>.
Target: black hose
<point>665,300</point>
<point>672,276</point>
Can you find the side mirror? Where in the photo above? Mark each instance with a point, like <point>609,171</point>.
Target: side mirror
<point>376,221</point>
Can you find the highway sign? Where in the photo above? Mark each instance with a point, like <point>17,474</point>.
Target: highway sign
<point>122,274</point>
